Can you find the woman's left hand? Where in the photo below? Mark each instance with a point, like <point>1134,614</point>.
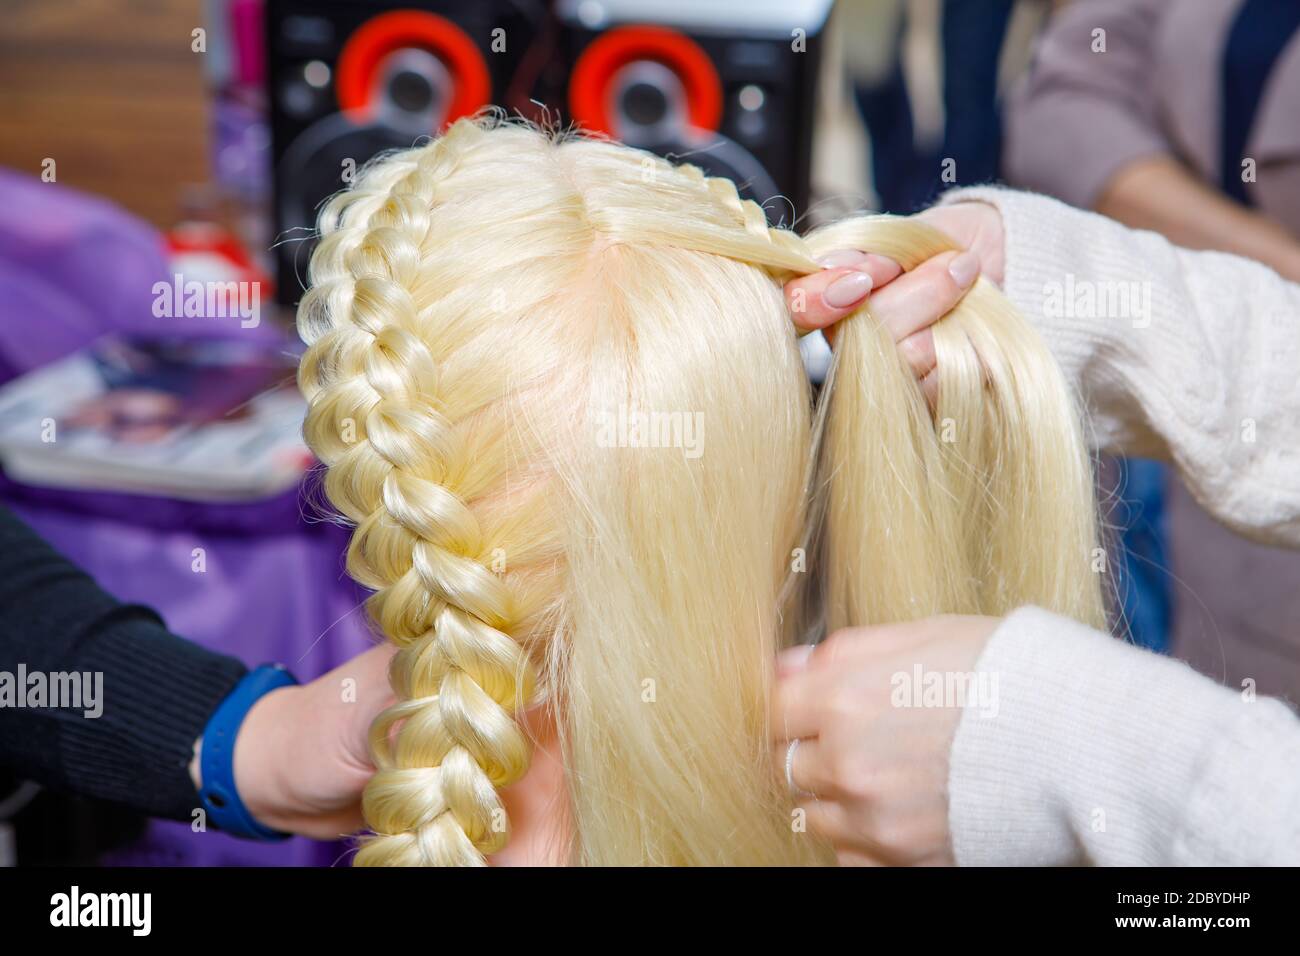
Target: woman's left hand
<point>871,766</point>
<point>302,756</point>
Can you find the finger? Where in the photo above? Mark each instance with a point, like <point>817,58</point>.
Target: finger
<point>930,388</point>
<point>845,648</point>
<point>882,269</point>
<point>861,651</point>
<point>796,706</point>
<point>955,223</point>
<point>793,659</point>
<point>858,646</point>
<point>823,298</point>
<point>926,294</point>
<point>918,351</point>
<point>808,768</point>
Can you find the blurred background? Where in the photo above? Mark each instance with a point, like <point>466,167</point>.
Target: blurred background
<point>161,163</point>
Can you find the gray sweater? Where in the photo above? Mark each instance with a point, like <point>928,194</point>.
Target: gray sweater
<point>1080,116</point>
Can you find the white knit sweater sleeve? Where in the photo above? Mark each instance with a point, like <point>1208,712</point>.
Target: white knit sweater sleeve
<point>1096,751</point>
<point>1182,355</point>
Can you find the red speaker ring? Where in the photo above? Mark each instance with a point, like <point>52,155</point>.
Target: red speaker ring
<point>375,39</point>
<point>604,56</point>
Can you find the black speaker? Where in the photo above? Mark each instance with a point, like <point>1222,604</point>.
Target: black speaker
<point>351,78</point>
<point>728,85</point>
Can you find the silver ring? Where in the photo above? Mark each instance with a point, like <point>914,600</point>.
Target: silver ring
<point>789,767</point>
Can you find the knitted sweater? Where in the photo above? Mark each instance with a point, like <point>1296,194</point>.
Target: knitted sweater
<point>1100,752</point>
<point>153,691</point>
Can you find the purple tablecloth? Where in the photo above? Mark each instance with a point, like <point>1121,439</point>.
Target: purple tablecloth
<point>74,268</point>
<point>274,589</point>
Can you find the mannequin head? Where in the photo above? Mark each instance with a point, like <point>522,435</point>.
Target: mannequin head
<point>559,395</point>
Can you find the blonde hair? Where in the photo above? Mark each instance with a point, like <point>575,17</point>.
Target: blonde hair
<point>487,315</point>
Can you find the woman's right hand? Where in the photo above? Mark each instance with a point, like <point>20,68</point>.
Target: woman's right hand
<point>906,304</point>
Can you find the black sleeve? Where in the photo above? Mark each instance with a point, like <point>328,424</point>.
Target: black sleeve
<point>157,690</point>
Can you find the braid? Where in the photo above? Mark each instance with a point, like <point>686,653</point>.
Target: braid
<point>790,250</point>
<point>380,423</point>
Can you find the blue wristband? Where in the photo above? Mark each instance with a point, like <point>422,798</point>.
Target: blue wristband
<point>217,758</point>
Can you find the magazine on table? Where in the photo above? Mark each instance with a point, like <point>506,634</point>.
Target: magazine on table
<point>205,420</point>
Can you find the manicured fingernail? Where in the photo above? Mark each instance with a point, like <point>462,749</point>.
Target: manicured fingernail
<point>964,269</point>
<point>842,259</point>
<point>847,289</point>
<point>793,659</point>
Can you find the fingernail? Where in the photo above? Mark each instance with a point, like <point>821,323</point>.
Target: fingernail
<point>847,289</point>
<point>842,259</point>
<point>964,269</point>
<point>793,659</point>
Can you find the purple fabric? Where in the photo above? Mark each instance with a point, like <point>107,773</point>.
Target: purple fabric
<point>74,268</point>
<point>279,596</point>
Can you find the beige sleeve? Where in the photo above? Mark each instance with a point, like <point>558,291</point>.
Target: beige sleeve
<point>1188,356</point>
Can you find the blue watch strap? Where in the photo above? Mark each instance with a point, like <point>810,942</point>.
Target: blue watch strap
<point>217,758</point>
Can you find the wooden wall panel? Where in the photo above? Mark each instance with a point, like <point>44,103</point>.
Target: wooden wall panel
<point>111,90</point>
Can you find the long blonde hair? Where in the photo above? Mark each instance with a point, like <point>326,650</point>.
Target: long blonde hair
<point>558,393</point>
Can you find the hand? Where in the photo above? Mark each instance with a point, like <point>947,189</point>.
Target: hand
<point>302,755</point>
<point>910,304</point>
<point>872,762</point>
<point>302,759</point>
<point>977,227</point>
